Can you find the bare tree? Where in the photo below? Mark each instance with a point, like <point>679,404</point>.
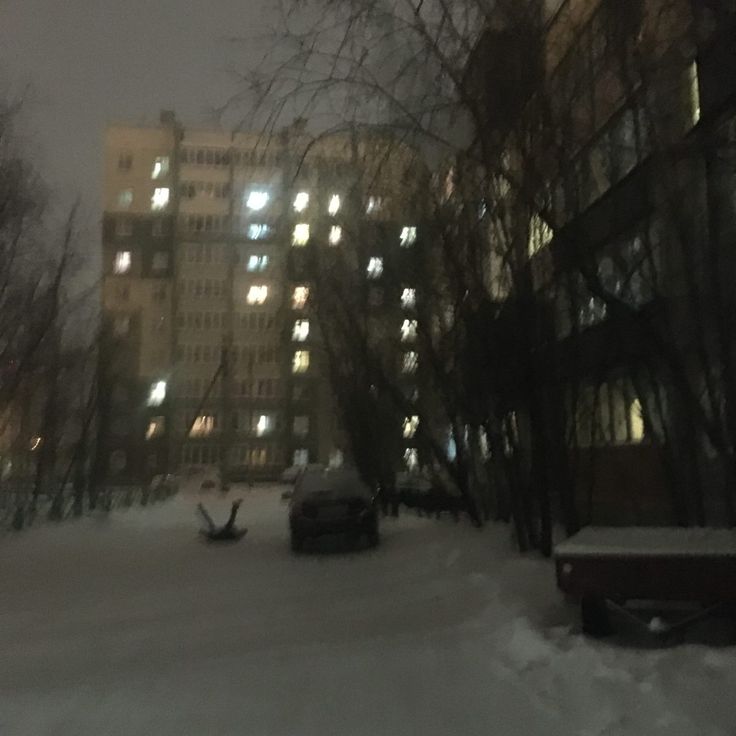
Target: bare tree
<point>526,124</point>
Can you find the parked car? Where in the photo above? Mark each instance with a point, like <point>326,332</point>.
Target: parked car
<point>292,473</point>
<point>331,502</point>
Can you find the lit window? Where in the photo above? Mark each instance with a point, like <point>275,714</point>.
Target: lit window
<point>125,199</point>
<point>258,456</point>
<point>264,425</point>
<point>258,231</point>
<point>156,426</point>
<point>592,311</point>
<point>203,426</point>
<point>301,457</point>
<point>122,262</point>
<point>374,204</point>
<point>301,201</point>
<point>336,459</point>
<point>257,263</point>
<point>160,167</point>
<point>410,362</point>
<point>636,420</point>
<point>301,330</point>
<point>540,234</point>
<point>299,297</point>
<point>157,393</point>
<point>257,199</point>
<point>300,363</point>
<point>160,261</point>
<point>448,187</point>
<point>334,205</point>
<point>409,298</point>
<point>485,446</point>
<point>257,294</point>
<point>451,447</point>
<point>375,267</point>
<point>335,234</point>
<point>408,236</point>
<point>411,458</point>
<point>301,426</point>
<point>694,90</point>
<point>409,330</point>
<point>160,198</point>
<point>410,426</point>
<point>301,234</point>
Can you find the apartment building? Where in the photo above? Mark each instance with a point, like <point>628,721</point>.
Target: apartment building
<point>651,112</point>
<point>214,354</point>
<point>626,212</point>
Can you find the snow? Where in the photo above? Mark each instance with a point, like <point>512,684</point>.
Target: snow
<point>652,541</point>
<point>130,625</point>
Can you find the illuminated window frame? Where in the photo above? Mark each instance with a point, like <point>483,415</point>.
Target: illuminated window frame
<point>301,201</point>
<point>333,207</point>
<point>257,294</point>
<point>299,297</point>
<point>160,199</point>
<point>123,262</point>
<point>300,362</point>
<point>374,269</point>
<point>335,235</point>
<point>300,236</point>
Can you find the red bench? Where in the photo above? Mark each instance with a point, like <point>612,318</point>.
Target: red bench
<point>604,568</point>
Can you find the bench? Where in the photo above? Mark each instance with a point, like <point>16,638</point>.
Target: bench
<point>689,570</point>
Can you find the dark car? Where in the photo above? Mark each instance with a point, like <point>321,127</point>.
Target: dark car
<point>293,472</point>
<point>332,502</point>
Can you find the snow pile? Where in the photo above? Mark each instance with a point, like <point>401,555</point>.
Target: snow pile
<point>132,626</point>
<point>602,689</point>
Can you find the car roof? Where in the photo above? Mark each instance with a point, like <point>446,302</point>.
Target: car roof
<point>341,482</point>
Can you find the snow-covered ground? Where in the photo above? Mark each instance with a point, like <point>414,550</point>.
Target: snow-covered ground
<point>130,625</point>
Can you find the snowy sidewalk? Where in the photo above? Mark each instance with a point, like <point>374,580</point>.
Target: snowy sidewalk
<point>132,626</point>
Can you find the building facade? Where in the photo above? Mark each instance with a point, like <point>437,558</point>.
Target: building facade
<point>627,252</point>
<point>209,238</point>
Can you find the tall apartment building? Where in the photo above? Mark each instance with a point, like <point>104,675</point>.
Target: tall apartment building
<point>213,354</point>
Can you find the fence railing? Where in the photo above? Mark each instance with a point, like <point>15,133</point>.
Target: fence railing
<point>21,508</point>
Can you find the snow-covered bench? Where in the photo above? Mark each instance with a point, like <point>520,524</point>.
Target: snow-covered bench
<point>603,567</point>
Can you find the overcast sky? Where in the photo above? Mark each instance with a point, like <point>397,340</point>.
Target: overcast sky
<point>91,62</point>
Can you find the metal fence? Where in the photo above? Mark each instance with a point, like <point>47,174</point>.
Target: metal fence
<point>19,508</point>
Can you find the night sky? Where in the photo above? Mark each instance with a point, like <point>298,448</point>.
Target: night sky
<point>87,63</point>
